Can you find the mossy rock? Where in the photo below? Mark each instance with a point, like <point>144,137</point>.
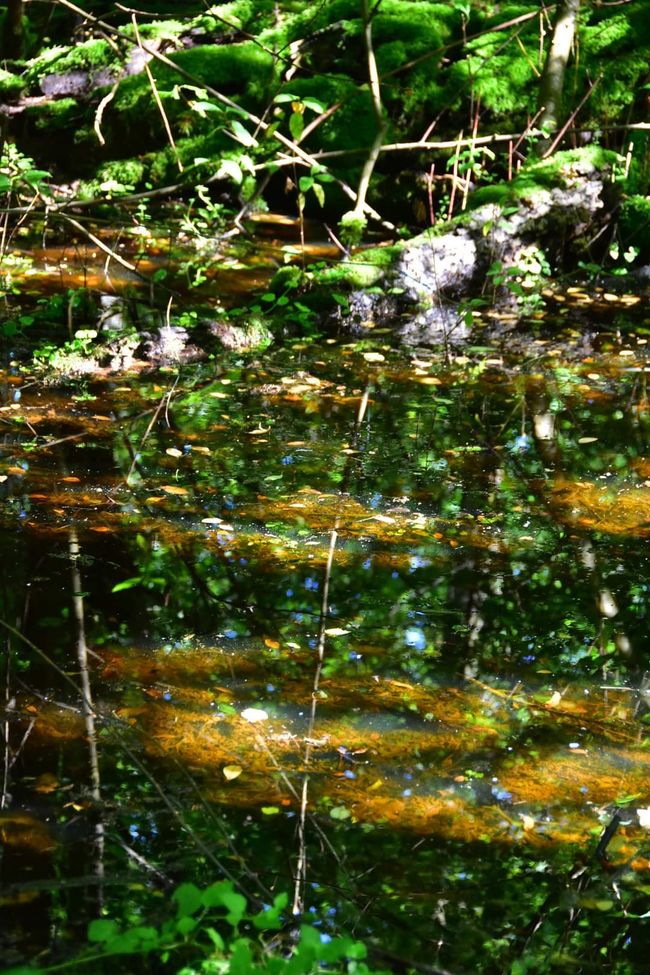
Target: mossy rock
<point>90,56</point>
<point>11,87</point>
<point>239,70</point>
<point>559,170</point>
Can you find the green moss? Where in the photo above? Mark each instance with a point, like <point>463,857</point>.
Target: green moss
<point>240,70</point>
<point>352,126</point>
<point>558,170</point>
<point>60,115</point>
<point>89,56</point>
<point>11,86</point>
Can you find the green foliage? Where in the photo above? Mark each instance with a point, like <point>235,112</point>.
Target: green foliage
<point>204,938</point>
<point>86,56</point>
<point>634,224</point>
<point>11,86</point>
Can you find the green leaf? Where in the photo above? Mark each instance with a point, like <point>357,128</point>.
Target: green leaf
<point>319,193</point>
<point>188,899</point>
<point>305,183</point>
<point>286,97</point>
<point>314,104</point>
<point>242,135</point>
<point>236,905</point>
<point>340,813</point>
<point>202,107</point>
<point>103,929</point>
<point>230,168</point>
<point>185,925</point>
<point>127,584</point>
<point>296,126</point>
<point>5,183</point>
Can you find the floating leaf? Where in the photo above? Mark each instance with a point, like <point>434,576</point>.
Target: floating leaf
<point>335,631</point>
<point>270,810</point>
<point>583,440</point>
<point>340,813</point>
<point>174,489</point>
<point>554,699</point>
<point>231,772</point>
<point>374,357</point>
<point>174,452</point>
<point>254,714</point>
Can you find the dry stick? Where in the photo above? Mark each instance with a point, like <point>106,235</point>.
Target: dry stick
<point>430,176</point>
<point>301,866</point>
<point>305,157</point>
<point>156,94</point>
<point>6,728</point>
<point>454,179</point>
<point>378,111</point>
<point>87,707</point>
<point>117,727</point>
<point>463,205</point>
<point>163,399</point>
<point>556,141</point>
<point>99,243</point>
<point>99,113</point>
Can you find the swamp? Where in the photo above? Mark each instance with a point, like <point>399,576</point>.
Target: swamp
<point>325,487</point>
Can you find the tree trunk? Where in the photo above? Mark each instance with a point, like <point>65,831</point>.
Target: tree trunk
<point>13,37</point>
<point>552,80</point>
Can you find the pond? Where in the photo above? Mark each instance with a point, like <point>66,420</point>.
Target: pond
<point>364,625</point>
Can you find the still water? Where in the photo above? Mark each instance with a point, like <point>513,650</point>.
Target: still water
<point>419,580</point>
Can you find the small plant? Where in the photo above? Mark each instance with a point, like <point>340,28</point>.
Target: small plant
<point>212,932</point>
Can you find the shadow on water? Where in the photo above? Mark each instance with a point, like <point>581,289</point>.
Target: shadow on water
<point>481,711</point>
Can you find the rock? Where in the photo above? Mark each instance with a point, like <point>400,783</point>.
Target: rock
<point>171,346</point>
<point>254,335</point>
<point>430,265</point>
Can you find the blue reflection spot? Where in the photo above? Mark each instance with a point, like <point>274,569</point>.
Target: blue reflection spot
<point>289,592</point>
<point>366,564</point>
<point>408,776</point>
<point>167,696</point>
<point>311,583</point>
<point>270,688</point>
<point>353,655</point>
<point>16,396</point>
<point>243,561</point>
<point>529,658</point>
<point>231,634</point>
<point>134,831</point>
<point>187,447</point>
<point>325,938</point>
<point>407,792</point>
<point>413,637</point>
<point>349,774</point>
<point>394,574</point>
<point>584,790</point>
<point>287,460</point>
<point>419,562</point>
<point>501,795</point>
<point>520,444</point>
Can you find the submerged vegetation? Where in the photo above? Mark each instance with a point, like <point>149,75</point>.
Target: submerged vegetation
<point>326,487</point>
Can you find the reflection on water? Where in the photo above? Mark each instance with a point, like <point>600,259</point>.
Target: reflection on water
<point>481,707</point>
